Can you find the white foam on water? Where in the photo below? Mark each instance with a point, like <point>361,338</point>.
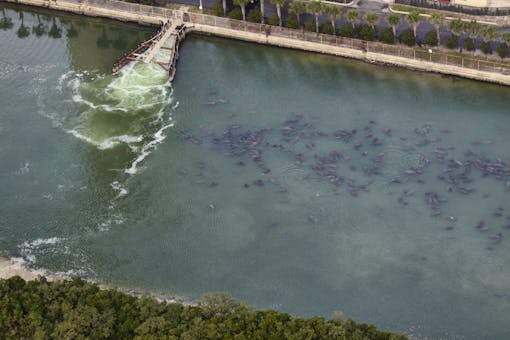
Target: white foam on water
<point>121,191</point>
<point>29,248</point>
<point>24,169</point>
<point>147,149</point>
<point>108,143</point>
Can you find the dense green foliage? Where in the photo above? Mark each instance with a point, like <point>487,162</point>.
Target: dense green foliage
<point>327,28</point>
<point>386,36</point>
<point>430,38</point>
<point>79,310</point>
<point>273,20</point>
<point>503,50</point>
<point>291,22</point>
<point>217,9</point>
<point>407,37</point>
<point>254,15</point>
<point>346,30</point>
<point>469,44</point>
<point>452,42</point>
<point>367,33</point>
<point>236,13</point>
<point>486,47</point>
<point>310,25</point>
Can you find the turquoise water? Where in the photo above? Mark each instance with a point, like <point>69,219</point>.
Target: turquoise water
<point>293,181</point>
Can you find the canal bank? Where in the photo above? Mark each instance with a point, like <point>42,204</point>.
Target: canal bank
<point>412,58</point>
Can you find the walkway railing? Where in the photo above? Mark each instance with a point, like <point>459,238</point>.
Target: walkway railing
<point>437,56</point>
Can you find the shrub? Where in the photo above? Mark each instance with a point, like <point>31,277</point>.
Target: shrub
<point>367,33</point>
<point>431,38</point>
<point>79,310</point>
<point>503,50</point>
<point>469,44</point>
<point>310,25</point>
<point>346,30</point>
<point>6,23</point>
<point>486,47</point>
<point>217,9</point>
<point>254,15</point>
<point>452,42</point>
<point>236,14</point>
<point>386,36</point>
<point>327,28</point>
<point>273,20</point>
<point>291,22</point>
<point>407,37</point>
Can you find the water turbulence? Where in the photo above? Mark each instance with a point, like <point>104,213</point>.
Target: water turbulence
<point>129,108</point>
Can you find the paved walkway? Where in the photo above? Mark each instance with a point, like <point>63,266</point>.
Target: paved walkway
<point>162,40</point>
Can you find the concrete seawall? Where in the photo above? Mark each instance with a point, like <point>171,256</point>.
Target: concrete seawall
<point>96,10</point>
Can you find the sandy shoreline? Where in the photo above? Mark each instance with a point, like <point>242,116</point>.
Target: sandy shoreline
<point>10,267</point>
<point>14,266</point>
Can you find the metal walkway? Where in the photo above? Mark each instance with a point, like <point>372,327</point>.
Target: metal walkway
<point>162,47</point>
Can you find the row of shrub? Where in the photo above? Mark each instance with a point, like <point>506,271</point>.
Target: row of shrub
<point>79,310</point>
<point>369,29</point>
<point>454,8</point>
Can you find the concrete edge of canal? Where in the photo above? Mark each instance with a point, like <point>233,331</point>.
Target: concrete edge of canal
<point>96,10</point>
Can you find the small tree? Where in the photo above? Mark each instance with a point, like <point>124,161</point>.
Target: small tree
<point>456,26</point>
<point>279,4</point>
<point>367,33</point>
<point>346,30</point>
<point>431,38</point>
<point>469,44</point>
<point>413,18</point>
<point>394,20</point>
<point>386,35</point>
<point>310,25</point>
<point>315,7</point>
<point>503,51</point>
<point>372,19</point>
<point>353,16</point>
<point>452,42</point>
<point>262,11</point>
<point>291,22</point>
<point>242,4</point>
<point>486,47</point>
<point>327,28</point>
<point>438,20</point>
<point>224,5</point>
<point>236,14</point>
<point>407,37</point>
<point>297,8</point>
<point>254,15</point>
<point>218,10</point>
<point>489,33</point>
<point>273,20</point>
<point>333,12</point>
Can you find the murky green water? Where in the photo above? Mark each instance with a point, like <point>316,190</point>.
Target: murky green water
<point>290,180</point>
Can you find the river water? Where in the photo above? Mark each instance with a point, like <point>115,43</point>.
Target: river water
<point>294,181</point>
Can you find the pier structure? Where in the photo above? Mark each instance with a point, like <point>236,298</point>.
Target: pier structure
<point>162,48</point>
